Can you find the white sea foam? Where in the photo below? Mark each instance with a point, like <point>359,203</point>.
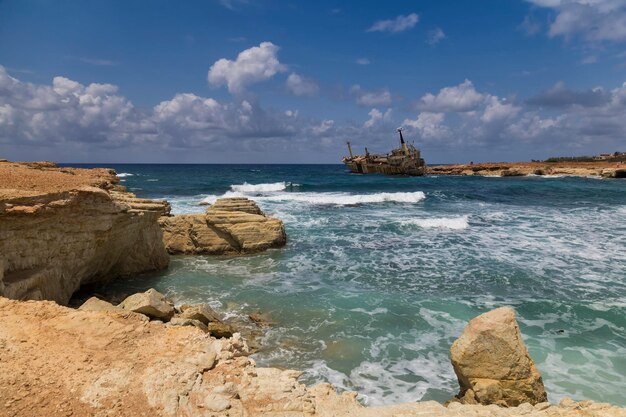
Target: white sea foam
<point>453,223</point>
<point>124,174</point>
<point>259,188</point>
<point>331,199</point>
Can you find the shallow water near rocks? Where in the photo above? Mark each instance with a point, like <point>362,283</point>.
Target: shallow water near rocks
<point>381,274</point>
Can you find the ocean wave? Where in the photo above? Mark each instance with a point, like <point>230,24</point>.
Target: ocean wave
<point>124,174</point>
<point>259,188</point>
<point>328,199</point>
<point>453,223</point>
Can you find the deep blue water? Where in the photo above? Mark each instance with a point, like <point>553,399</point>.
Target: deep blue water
<point>381,274</point>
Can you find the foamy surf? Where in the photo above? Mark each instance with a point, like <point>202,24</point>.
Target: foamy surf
<point>124,174</point>
<point>259,188</point>
<point>328,199</point>
<point>452,223</point>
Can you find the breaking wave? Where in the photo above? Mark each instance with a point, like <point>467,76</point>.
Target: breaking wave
<point>124,174</point>
<point>453,223</point>
<point>330,199</point>
<point>259,188</point>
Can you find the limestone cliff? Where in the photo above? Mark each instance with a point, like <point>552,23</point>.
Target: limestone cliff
<point>113,363</point>
<point>230,226</point>
<point>61,228</point>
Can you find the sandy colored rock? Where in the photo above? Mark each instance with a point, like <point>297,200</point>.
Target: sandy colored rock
<point>179,321</point>
<point>220,329</point>
<point>61,228</point>
<point>605,169</point>
<point>150,303</point>
<point>231,226</point>
<point>96,304</point>
<point>201,312</point>
<point>492,362</point>
<point>122,366</point>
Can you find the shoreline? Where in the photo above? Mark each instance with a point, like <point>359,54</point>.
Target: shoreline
<point>517,169</point>
<point>28,199</point>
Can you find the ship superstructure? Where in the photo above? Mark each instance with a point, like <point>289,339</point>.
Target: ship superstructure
<point>405,160</point>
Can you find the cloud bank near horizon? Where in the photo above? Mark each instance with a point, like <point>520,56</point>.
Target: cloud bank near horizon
<point>73,116</point>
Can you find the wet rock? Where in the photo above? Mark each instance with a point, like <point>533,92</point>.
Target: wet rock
<point>231,226</point>
<point>151,303</point>
<point>492,362</point>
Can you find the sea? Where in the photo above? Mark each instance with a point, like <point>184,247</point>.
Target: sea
<point>381,274</point>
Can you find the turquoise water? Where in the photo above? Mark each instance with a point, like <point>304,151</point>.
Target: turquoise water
<point>381,274</point>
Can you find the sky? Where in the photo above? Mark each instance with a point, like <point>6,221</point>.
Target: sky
<point>273,81</point>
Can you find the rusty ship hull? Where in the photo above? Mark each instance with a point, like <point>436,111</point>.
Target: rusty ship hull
<point>405,160</point>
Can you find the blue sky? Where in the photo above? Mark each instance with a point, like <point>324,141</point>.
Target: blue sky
<point>282,81</point>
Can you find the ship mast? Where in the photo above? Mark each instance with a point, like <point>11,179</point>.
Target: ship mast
<point>403,143</point>
<point>350,149</point>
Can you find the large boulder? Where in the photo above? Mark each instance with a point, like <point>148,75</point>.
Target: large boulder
<point>96,304</point>
<point>150,303</point>
<point>201,312</point>
<point>231,226</point>
<point>492,362</point>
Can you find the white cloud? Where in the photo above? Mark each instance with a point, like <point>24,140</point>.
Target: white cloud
<point>376,117</point>
<point>252,65</point>
<point>65,116</point>
<point>594,20</point>
<point>371,98</point>
<point>301,86</point>
<point>460,98</point>
<point>399,24</point>
<point>435,36</point>
<point>428,125</point>
<point>363,61</point>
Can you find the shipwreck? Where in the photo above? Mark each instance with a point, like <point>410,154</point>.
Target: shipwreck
<point>405,160</point>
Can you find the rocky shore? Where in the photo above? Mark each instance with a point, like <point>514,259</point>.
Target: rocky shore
<point>63,228</point>
<point>601,169</point>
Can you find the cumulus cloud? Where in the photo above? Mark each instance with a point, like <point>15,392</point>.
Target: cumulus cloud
<point>559,119</point>
<point>371,98</point>
<point>594,20</point>
<point>301,86</point>
<point>376,117</point>
<point>399,24</point>
<point>560,96</point>
<point>435,36</point>
<point>65,115</point>
<point>460,98</point>
<point>252,65</point>
<point>68,111</point>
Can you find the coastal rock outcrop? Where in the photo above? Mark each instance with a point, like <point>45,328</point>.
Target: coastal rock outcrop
<point>116,365</point>
<point>228,227</point>
<point>513,169</point>
<point>150,303</point>
<point>492,362</point>
<point>61,228</point>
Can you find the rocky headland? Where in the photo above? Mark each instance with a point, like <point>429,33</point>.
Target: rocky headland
<point>601,169</point>
<point>62,228</point>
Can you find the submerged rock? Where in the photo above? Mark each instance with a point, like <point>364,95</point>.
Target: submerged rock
<point>492,362</point>
<point>231,226</point>
<point>150,303</point>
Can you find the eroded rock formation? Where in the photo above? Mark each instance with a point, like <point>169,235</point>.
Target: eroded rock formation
<point>230,226</point>
<point>492,362</point>
<point>57,361</point>
<point>602,169</point>
<point>61,228</point>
